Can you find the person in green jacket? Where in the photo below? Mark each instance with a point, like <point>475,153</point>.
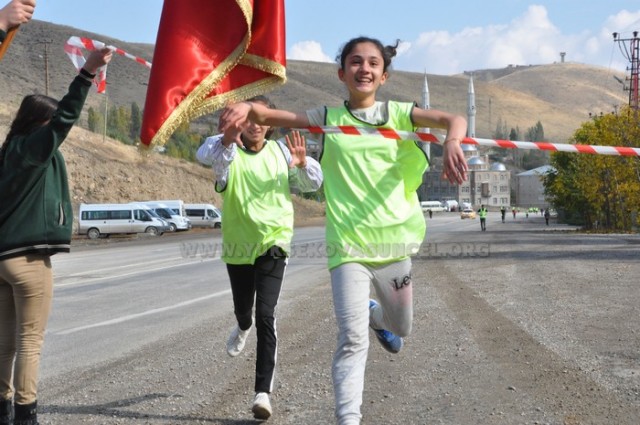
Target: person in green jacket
<point>35,223</point>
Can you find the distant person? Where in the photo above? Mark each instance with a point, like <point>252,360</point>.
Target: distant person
<point>482,212</point>
<point>503,212</point>
<point>15,13</point>
<point>513,211</point>
<point>255,175</point>
<point>35,223</point>
<point>430,213</point>
<point>547,215</point>
<point>372,205</point>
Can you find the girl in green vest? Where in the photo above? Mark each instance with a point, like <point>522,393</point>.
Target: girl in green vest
<point>374,220</point>
<point>255,176</point>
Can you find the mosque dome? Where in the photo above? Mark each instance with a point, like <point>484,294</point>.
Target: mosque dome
<point>498,166</point>
<point>468,148</point>
<point>475,160</point>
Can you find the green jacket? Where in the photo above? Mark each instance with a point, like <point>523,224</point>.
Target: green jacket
<point>35,206</point>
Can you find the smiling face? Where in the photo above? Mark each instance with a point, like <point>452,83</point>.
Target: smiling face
<point>363,73</point>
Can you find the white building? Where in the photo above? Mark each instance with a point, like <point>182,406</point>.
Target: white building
<point>530,188</point>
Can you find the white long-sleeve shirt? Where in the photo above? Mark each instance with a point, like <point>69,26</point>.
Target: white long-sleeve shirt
<point>213,153</point>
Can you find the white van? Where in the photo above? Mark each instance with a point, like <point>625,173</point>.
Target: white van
<point>176,220</point>
<point>435,206</point>
<point>451,205</point>
<point>203,215</point>
<point>177,205</point>
<point>97,220</point>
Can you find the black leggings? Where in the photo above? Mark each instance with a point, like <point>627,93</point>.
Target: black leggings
<point>261,281</point>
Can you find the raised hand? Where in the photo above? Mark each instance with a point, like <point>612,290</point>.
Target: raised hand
<point>454,163</point>
<point>298,148</point>
<point>97,59</point>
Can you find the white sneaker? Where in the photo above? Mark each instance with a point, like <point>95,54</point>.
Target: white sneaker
<point>236,341</point>
<point>261,406</point>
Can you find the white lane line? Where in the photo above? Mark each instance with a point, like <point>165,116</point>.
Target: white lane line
<point>125,266</point>
<point>142,314</point>
<point>98,279</point>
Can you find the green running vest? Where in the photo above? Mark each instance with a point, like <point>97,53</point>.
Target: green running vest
<point>257,210</point>
<point>373,213</point>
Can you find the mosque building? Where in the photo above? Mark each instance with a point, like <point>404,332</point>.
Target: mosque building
<point>487,183</point>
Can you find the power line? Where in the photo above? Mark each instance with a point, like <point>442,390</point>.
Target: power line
<point>630,49</point>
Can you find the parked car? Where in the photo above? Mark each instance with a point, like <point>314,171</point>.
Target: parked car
<point>467,213</point>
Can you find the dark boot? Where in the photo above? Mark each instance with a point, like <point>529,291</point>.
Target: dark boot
<point>26,414</point>
<point>6,412</point>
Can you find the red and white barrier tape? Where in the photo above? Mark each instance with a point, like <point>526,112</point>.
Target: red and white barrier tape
<point>390,133</point>
<point>73,47</point>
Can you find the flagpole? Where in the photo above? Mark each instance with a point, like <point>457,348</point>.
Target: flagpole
<point>5,44</point>
<point>106,111</point>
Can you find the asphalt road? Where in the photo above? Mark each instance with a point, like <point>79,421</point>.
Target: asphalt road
<point>521,324</point>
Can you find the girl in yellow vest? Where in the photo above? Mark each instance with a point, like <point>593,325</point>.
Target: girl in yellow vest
<point>374,220</point>
<point>254,176</point>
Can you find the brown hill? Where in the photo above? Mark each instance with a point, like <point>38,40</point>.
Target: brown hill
<point>560,96</point>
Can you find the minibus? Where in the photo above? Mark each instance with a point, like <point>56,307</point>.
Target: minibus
<point>175,219</point>
<point>96,220</point>
<point>203,215</point>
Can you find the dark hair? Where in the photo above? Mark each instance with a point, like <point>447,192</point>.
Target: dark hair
<point>387,52</point>
<point>269,104</point>
<point>34,111</point>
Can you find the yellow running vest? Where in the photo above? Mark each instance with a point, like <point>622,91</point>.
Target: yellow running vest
<point>373,213</point>
<point>257,211</point>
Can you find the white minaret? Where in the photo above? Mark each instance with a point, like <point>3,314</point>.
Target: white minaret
<point>426,104</point>
<point>471,110</point>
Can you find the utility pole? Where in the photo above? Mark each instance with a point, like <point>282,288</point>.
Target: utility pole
<point>46,43</point>
<point>630,48</point>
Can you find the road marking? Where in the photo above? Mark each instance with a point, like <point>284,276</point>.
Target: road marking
<point>142,314</point>
<point>136,272</point>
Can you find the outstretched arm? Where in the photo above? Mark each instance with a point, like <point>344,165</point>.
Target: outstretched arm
<point>235,115</point>
<point>454,163</point>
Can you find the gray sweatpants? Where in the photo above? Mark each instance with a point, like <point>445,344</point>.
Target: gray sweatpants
<point>350,283</point>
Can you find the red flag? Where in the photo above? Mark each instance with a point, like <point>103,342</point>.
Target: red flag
<point>210,53</point>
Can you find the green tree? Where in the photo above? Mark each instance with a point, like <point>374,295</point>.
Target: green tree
<point>535,133</point>
<point>501,132</point>
<point>599,191</point>
<point>95,120</point>
<point>118,124</point>
<point>136,122</point>
<point>534,158</point>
